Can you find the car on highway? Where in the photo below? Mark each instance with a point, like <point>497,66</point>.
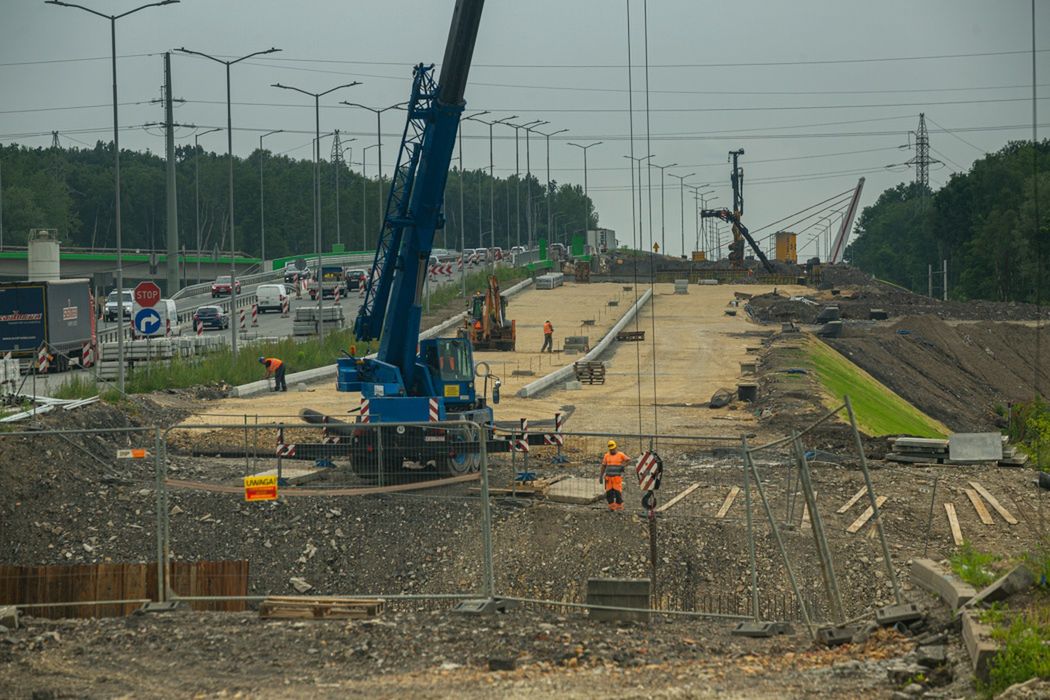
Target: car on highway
<point>113,307</point>
<point>293,274</point>
<point>271,297</point>
<point>211,317</point>
<point>222,287</point>
<point>355,279</point>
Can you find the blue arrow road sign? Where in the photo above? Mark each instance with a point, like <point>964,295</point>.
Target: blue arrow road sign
<point>147,321</point>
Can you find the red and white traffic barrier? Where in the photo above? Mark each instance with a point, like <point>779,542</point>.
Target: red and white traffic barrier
<point>363,415</point>
<point>337,290</point>
<point>284,307</point>
<point>200,327</point>
<point>244,321</point>
<point>521,443</point>
<point>434,413</point>
<point>326,437</point>
<point>555,438</point>
<point>283,449</point>
<point>87,355</point>
<point>255,315</point>
<point>648,470</point>
<point>43,360</point>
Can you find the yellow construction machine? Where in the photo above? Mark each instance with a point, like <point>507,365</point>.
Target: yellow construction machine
<point>487,325</point>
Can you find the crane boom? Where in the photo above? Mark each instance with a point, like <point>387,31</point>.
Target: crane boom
<point>392,309</point>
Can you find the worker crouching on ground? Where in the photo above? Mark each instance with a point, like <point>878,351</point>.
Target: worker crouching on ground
<point>275,367</point>
<point>612,476</point>
<point>548,337</point>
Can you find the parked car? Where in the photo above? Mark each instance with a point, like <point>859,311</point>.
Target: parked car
<point>222,287</point>
<point>355,279</point>
<point>270,297</point>
<point>113,307</point>
<point>211,317</point>
<point>517,249</point>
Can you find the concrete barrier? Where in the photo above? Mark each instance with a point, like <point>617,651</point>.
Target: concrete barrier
<point>318,373</point>
<point>564,373</point>
<point>942,583</point>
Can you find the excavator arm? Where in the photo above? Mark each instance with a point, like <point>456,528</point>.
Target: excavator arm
<point>740,234</point>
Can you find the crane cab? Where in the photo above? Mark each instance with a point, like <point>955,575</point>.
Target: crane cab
<point>448,365</point>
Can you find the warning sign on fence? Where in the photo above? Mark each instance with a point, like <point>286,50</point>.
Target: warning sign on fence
<point>134,453</point>
<point>260,488</point>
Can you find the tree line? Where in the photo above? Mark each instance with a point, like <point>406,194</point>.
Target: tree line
<point>981,221</point>
<point>71,190</point>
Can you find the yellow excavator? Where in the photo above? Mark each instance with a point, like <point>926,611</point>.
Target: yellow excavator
<point>487,325</point>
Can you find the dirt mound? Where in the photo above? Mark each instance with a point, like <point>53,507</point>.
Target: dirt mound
<point>960,374</point>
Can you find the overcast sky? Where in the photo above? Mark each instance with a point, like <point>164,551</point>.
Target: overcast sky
<point>813,117</point>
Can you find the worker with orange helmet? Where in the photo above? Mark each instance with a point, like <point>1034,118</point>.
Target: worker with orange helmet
<point>275,366</point>
<point>612,476</point>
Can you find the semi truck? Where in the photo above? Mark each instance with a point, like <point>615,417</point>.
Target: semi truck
<point>58,314</point>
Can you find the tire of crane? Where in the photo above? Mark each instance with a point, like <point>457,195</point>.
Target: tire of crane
<point>465,460</point>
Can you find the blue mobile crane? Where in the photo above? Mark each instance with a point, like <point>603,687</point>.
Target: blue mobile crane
<point>411,380</point>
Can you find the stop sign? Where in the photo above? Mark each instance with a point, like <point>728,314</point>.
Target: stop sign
<point>147,294</point>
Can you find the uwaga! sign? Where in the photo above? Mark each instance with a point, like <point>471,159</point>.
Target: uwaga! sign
<point>260,488</point>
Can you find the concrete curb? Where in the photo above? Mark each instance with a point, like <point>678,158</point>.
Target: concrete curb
<point>933,577</point>
<point>313,375</point>
<point>563,373</point>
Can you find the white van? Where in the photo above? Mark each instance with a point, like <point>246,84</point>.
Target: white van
<point>270,296</point>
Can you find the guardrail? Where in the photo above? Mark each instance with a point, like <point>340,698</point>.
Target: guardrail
<point>256,278</point>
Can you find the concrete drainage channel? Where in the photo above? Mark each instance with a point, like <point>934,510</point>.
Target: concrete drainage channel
<point>312,375</point>
<point>564,373</point>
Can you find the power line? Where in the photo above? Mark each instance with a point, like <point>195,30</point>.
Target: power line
<point>954,135</point>
<point>620,66</point>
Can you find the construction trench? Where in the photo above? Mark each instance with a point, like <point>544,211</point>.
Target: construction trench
<point>824,566</point>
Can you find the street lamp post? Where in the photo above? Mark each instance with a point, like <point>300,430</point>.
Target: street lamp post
<point>197,192</point>
<point>682,179</point>
<point>549,197</point>
<point>586,195</point>
<point>492,186</point>
<point>529,214</point>
<point>379,143</point>
<point>338,167</point>
<point>317,186</point>
<point>713,227</point>
<point>229,158</point>
<point>364,195</point>
<point>663,229</point>
<point>702,242</point>
<point>116,163</point>
<point>462,215</point>
<point>639,160</point>
<point>262,206</point>
<point>517,175</point>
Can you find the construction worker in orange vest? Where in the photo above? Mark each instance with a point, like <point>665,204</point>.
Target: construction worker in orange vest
<point>275,367</point>
<point>548,337</point>
<point>612,476</point>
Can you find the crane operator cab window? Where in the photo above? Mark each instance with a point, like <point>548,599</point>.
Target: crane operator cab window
<point>454,360</point>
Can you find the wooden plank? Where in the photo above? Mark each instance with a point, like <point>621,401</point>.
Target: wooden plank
<point>853,500</point>
<point>953,522</point>
<point>994,503</point>
<point>688,490</point>
<point>866,515</point>
<point>978,505</point>
<point>728,502</point>
<point>134,586</point>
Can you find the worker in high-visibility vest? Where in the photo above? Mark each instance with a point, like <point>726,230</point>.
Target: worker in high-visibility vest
<point>275,367</point>
<point>548,337</point>
<point>612,476</point>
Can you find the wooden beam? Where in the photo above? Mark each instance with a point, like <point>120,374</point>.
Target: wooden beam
<point>688,490</point>
<point>852,501</point>
<point>978,505</point>
<point>953,522</point>
<point>728,503</point>
<point>866,515</point>
<point>994,503</point>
